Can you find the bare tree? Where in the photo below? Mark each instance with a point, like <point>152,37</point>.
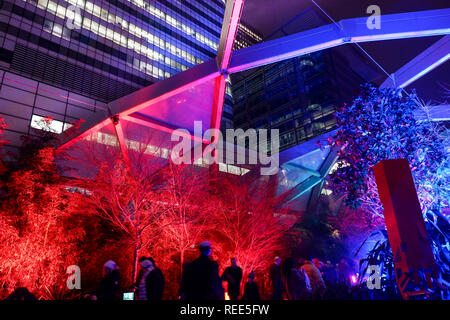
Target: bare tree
<point>125,189</point>
<point>185,196</point>
<point>249,216</point>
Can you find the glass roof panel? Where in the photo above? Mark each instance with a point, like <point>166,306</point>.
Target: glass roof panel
<point>84,158</point>
<point>182,109</point>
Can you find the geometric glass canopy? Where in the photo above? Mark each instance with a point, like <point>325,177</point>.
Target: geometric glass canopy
<point>150,115</point>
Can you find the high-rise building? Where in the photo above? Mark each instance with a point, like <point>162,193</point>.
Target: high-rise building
<point>65,59</point>
<point>245,37</point>
<point>299,96</point>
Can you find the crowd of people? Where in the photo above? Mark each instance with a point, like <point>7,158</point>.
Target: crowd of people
<point>290,280</point>
<point>201,280</point>
<point>310,280</point>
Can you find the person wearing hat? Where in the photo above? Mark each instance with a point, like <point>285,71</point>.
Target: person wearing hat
<point>200,279</point>
<point>21,294</point>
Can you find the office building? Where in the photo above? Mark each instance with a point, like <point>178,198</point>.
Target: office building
<point>299,96</point>
<point>65,59</point>
<point>245,37</point>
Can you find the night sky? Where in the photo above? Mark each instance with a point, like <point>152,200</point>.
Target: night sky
<point>267,16</point>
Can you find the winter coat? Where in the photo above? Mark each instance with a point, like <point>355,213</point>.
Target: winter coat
<point>201,280</point>
<point>297,285</point>
<point>251,292</point>
<point>233,275</point>
<point>154,284</point>
<point>109,286</point>
<point>277,282</point>
<point>315,277</point>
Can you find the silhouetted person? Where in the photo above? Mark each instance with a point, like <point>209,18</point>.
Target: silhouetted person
<point>329,274</point>
<point>251,291</point>
<point>318,264</point>
<point>277,281</point>
<point>233,275</point>
<point>150,281</point>
<point>200,279</point>
<point>296,282</point>
<point>88,297</point>
<point>344,273</point>
<point>315,278</point>
<point>21,294</point>
<point>109,285</point>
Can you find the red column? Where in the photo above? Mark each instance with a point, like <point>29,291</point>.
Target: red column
<point>403,216</point>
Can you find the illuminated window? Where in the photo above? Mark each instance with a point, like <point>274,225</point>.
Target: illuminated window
<point>47,124</point>
<point>42,4</point>
<point>52,6</point>
<point>122,40</point>
<point>222,167</point>
<point>234,170</point>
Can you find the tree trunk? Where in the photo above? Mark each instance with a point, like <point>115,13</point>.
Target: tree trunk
<point>135,261</point>
<point>46,233</point>
<point>181,261</point>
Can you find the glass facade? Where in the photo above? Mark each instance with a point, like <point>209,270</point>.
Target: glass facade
<point>96,50</point>
<point>136,42</point>
<point>246,37</point>
<point>25,102</point>
<point>297,96</point>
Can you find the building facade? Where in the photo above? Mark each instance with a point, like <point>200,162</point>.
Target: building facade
<point>299,96</point>
<point>65,59</point>
<point>245,37</point>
